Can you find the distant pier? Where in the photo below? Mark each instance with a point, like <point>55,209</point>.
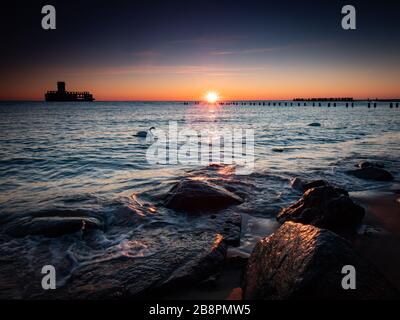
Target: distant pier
<point>311,102</point>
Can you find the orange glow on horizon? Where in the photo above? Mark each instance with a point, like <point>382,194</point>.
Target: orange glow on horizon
<point>180,84</point>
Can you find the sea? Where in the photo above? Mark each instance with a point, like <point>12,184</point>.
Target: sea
<point>68,157</point>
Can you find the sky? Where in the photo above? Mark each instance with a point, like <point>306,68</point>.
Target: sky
<point>179,50</point>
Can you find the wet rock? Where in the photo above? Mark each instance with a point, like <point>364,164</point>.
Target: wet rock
<point>138,265</point>
<point>367,164</point>
<point>301,185</point>
<point>297,184</point>
<point>304,262</point>
<point>236,294</point>
<point>229,225</point>
<point>181,263</point>
<point>371,173</point>
<point>51,224</point>
<point>192,195</point>
<point>314,124</point>
<point>315,184</point>
<point>325,207</point>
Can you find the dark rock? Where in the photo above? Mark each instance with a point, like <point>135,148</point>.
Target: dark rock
<point>304,262</point>
<point>143,266</point>
<point>297,184</point>
<point>193,195</point>
<point>314,124</point>
<point>228,224</point>
<point>325,207</point>
<point>51,225</point>
<point>235,294</point>
<point>178,264</point>
<point>371,173</point>
<point>300,185</point>
<point>367,164</point>
<point>315,184</point>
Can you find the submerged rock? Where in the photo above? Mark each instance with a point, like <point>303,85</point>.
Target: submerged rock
<point>325,207</point>
<point>314,124</point>
<point>297,184</point>
<point>304,262</point>
<point>52,224</point>
<point>367,164</point>
<point>315,184</point>
<point>303,186</point>
<point>371,173</point>
<point>228,224</point>
<point>178,264</point>
<point>194,195</point>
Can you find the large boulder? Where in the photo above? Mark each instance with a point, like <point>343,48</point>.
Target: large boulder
<point>371,173</point>
<point>304,262</point>
<point>193,195</point>
<point>325,207</point>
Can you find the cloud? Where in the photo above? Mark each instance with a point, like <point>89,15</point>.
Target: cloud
<point>265,49</point>
<point>146,53</point>
<point>170,70</point>
<point>209,40</point>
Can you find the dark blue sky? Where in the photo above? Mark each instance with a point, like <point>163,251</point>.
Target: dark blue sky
<point>117,40</point>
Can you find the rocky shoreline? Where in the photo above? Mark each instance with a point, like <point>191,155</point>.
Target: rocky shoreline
<point>302,259</point>
<point>305,257</point>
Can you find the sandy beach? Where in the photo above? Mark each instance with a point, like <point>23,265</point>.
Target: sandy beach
<point>380,242</point>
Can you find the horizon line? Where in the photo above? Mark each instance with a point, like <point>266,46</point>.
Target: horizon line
<point>221,100</point>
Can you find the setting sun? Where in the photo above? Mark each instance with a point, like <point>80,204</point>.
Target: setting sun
<point>212,97</point>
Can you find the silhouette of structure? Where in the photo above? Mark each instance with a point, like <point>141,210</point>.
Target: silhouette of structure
<point>62,95</point>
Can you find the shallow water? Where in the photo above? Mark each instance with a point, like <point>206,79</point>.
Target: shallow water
<point>86,156</point>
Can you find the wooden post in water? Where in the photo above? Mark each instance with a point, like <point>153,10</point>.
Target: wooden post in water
<point>329,104</point>
<point>369,104</point>
<point>391,105</point>
<point>375,105</point>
